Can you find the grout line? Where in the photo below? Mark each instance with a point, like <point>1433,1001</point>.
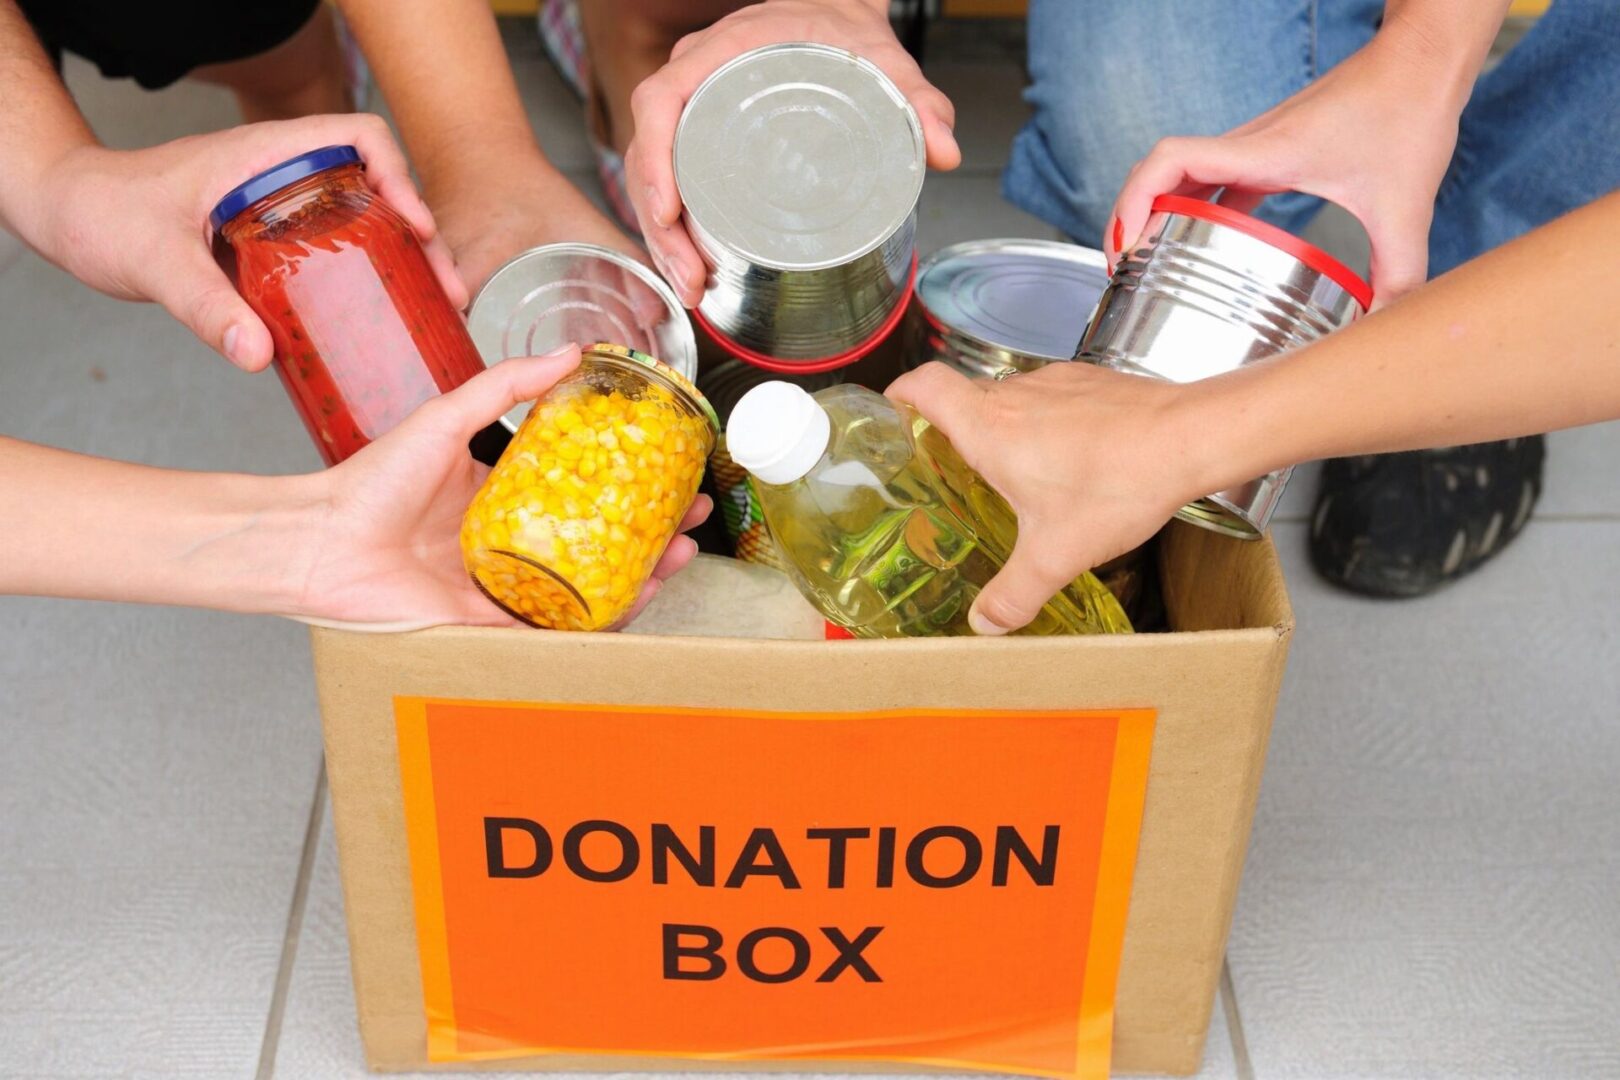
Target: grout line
<point>295,924</point>
<point>1234,1024</point>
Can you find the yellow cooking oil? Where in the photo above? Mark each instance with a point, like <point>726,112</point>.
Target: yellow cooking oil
<point>889,532</point>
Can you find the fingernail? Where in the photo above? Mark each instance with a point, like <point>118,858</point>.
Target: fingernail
<point>675,270</point>
<point>233,334</point>
<point>561,350</point>
<point>1119,234</point>
<point>983,626</point>
<point>655,205</point>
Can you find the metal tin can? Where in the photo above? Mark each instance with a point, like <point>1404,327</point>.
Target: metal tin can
<point>799,166</point>
<point>989,305</point>
<point>552,295</point>
<point>1205,291</point>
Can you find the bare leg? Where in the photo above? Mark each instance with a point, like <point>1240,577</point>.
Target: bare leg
<point>628,40</point>
<point>302,76</point>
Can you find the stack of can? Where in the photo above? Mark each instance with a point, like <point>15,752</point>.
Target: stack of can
<point>799,168</point>
<point>1207,290</point>
<point>989,306</point>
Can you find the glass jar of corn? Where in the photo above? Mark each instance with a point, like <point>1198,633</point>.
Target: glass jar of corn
<point>572,519</point>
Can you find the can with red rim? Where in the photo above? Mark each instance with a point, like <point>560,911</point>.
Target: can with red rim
<point>799,167</point>
<point>1204,291</point>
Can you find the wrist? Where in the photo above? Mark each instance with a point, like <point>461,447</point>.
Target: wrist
<point>267,561</point>
<point>476,157</point>
<point>1439,51</point>
<point>40,196</point>
<point>1231,429</point>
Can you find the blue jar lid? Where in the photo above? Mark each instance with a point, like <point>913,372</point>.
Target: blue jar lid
<point>277,177</point>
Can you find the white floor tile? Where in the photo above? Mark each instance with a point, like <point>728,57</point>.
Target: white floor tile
<point>159,763</point>
<point>1583,473</point>
<point>127,117</point>
<point>1431,887</point>
<point>157,768</point>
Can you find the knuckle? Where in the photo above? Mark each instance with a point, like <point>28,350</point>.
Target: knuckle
<point>684,43</point>
<point>646,94</point>
<point>930,379</point>
<point>211,309</point>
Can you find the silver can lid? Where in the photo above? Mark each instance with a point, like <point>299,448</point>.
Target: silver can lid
<point>560,293</point>
<point>1030,299</point>
<point>798,157</point>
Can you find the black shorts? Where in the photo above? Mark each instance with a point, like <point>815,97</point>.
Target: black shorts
<point>157,42</point>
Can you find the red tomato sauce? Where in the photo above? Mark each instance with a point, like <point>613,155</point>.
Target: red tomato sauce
<point>363,331</point>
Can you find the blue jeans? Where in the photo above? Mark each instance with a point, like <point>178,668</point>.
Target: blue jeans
<point>1539,137</point>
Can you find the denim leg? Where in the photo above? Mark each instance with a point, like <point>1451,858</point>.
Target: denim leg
<point>1112,77</point>
<point>1540,135</point>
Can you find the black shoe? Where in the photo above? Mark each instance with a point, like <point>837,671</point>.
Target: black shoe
<point>1405,524</point>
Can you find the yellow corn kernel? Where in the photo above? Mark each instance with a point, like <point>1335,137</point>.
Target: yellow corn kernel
<point>592,489</point>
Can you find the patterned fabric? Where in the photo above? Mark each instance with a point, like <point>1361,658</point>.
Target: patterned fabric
<point>564,39</point>
<point>740,509</point>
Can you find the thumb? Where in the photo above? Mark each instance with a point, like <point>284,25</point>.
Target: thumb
<point>196,291</point>
<point>491,394</point>
<point>1035,572</point>
<point>1400,252</point>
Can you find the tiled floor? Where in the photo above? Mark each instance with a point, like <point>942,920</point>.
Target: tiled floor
<point>1433,888</point>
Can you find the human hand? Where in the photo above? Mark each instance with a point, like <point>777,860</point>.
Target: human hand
<point>386,554</point>
<point>506,211</point>
<point>861,26</point>
<point>1374,135</point>
<point>1092,461</point>
<point>134,223</point>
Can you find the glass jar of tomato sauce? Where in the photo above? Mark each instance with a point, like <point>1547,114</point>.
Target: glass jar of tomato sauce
<point>363,331</point>
<point>571,521</point>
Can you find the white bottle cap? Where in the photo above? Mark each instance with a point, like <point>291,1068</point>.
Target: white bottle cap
<point>778,432</point>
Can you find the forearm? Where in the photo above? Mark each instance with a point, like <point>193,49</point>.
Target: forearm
<point>39,124</point>
<point>1503,346</point>
<point>443,69</point>
<point>89,528</point>
<point>1450,38</point>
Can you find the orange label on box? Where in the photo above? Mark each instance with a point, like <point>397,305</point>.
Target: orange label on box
<point>923,886</point>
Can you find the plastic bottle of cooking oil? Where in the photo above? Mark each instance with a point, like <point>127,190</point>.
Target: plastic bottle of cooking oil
<point>885,529</point>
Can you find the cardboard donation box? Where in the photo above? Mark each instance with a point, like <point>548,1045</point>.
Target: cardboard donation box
<point>631,851</point>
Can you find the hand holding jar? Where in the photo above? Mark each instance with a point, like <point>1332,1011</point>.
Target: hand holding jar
<point>130,223</point>
<point>596,483</point>
<point>371,544</point>
<point>364,330</point>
